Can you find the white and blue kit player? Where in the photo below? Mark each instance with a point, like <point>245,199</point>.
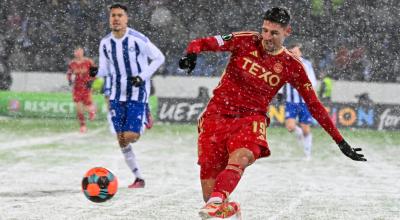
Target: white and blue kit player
<point>128,59</point>
<point>296,107</point>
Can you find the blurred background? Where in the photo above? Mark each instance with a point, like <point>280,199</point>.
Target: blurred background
<point>354,40</point>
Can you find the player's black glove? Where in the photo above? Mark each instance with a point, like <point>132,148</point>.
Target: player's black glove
<point>89,84</point>
<point>93,71</point>
<point>351,152</point>
<point>188,62</point>
<point>70,83</point>
<point>279,97</point>
<point>137,81</point>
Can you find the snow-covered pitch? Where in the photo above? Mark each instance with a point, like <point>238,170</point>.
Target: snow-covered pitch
<point>42,163</point>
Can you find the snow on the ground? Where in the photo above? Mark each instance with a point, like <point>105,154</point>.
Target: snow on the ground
<point>41,177</point>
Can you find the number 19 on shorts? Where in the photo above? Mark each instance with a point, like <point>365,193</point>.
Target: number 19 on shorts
<point>260,128</point>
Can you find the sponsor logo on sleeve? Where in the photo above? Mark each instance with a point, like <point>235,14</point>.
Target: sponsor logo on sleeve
<point>226,37</point>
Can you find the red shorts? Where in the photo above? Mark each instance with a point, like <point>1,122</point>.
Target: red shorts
<point>84,97</point>
<point>219,136</point>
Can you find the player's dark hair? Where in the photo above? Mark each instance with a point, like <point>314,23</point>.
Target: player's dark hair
<point>79,46</point>
<point>278,15</point>
<point>118,5</point>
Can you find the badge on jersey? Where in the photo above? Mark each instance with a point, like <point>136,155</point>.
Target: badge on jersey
<point>278,68</point>
<point>226,37</point>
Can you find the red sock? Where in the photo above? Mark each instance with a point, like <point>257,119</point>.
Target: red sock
<point>81,118</point>
<point>227,181</point>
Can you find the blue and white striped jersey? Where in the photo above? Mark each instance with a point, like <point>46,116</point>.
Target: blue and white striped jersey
<point>120,59</point>
<point>292,95</point>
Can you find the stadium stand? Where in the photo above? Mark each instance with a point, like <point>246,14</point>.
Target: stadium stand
<point>352,40</point>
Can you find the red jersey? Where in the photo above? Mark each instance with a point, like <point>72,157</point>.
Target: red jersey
<point>80,70</point>
<point>253,77</point>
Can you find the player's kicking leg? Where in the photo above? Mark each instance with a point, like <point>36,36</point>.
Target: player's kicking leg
<point>215,207</point>
<point>218,205</point>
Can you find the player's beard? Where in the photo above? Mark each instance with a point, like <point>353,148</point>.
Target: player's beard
<point>118,26</point>
<point>270,47</point>
<point>118,29</point>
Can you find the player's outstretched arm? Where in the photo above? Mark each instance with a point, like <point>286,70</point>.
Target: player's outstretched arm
<point>351,152</point>
<point>214,43</point>
<point>321,115</point>
<point>318,111</point>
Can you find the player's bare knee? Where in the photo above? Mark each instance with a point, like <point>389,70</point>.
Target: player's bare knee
<point>124,139</point>
<point>133,140</point>
<point>122,143</point>
<point>306,129</point>
<point>244,161</point>
<point>131,137</point>
<point>290,124</point>
<point>290,127</point>
<point>242,157</point>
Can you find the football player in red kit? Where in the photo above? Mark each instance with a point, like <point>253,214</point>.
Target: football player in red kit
<point>78,77</point>
<point>232,129</point>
